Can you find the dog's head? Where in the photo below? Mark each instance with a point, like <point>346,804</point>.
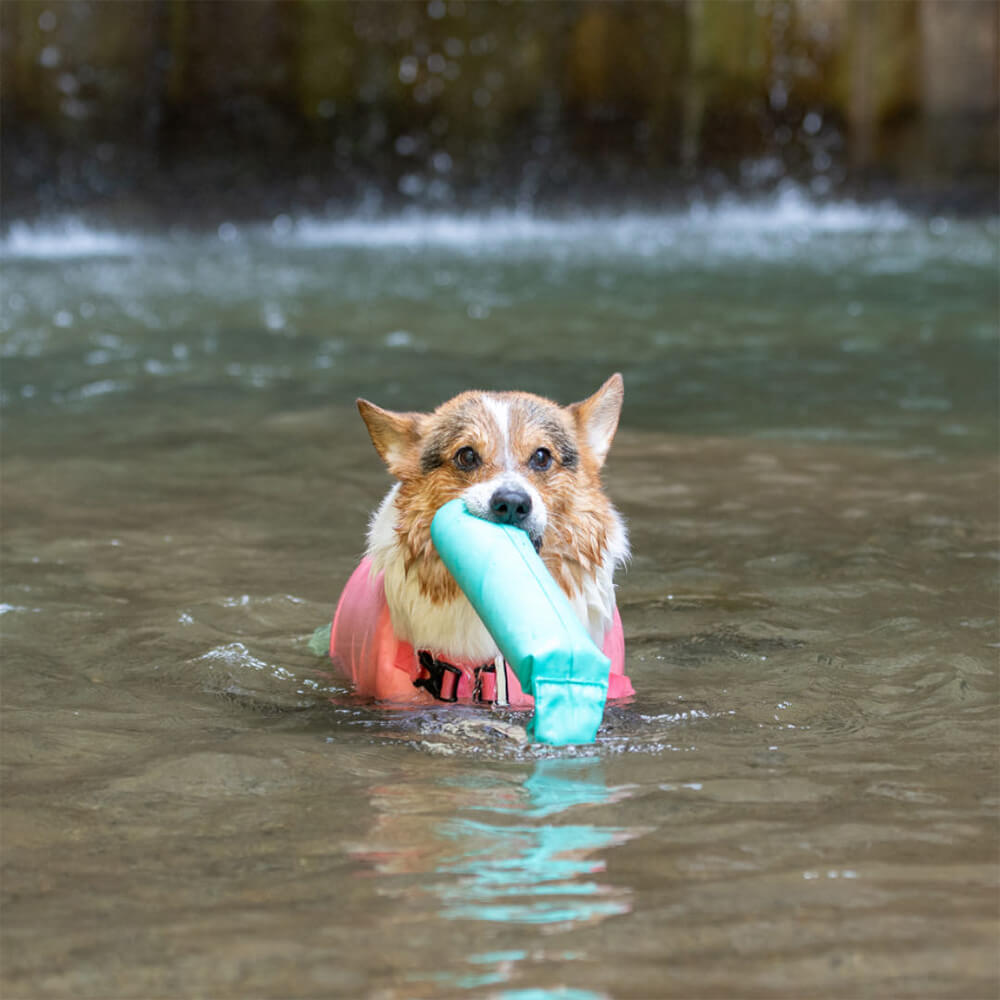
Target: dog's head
<point>513,457</point>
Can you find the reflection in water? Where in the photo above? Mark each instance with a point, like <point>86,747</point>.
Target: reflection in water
<point>526,874</point>
<point>521,872</point>
<point>536,873</point>
<point>513,867</point>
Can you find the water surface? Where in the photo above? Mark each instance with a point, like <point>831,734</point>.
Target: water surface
<point>800,801</point>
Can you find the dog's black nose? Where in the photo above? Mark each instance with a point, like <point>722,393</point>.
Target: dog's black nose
<point>510,506</point>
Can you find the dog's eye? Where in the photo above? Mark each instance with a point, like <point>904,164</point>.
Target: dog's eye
<point>540,460</point>
<point>466,458</point>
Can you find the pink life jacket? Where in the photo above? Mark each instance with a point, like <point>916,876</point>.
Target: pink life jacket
<point>387,668</point>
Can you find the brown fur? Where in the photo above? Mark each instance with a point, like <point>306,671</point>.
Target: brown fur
<point>419,450</point>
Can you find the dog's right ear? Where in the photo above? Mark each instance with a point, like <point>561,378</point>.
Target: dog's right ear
<point>395,435</point>
<point>597,416</point>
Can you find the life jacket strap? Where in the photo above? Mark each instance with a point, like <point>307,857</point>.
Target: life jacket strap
<point>477,688</point>
<point>441,679</point>
<point>490,684</point>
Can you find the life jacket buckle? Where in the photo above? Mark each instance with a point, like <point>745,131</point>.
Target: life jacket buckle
<point>441,678</point>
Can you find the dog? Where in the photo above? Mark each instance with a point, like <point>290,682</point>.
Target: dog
<point>513,458</point>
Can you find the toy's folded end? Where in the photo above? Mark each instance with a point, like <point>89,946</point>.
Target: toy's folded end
<point>567,711</point>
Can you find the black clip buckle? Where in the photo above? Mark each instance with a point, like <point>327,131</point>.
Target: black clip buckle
<point>477,690</point>
<point>434,682</point>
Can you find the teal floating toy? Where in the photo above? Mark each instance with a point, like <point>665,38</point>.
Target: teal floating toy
<point>531,621</point>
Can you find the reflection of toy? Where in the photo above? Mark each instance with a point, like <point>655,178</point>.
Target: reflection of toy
<point>524,855</point>
<point>531,621</point>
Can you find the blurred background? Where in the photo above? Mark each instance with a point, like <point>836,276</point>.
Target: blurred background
<point>200,109</point>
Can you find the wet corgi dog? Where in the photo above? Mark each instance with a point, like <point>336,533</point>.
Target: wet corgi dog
<point>512,457</point>
<point>403,630</point>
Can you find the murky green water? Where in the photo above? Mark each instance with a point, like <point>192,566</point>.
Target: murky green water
<point>801,800</point>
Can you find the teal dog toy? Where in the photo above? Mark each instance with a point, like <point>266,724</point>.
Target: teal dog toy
<point>531,621</point>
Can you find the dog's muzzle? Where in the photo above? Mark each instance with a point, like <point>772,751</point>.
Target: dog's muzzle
<point>509,500</point>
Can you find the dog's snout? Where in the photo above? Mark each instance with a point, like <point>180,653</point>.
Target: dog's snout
<point>510,506</point>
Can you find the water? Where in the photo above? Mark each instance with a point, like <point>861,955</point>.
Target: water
<point>802,799</point>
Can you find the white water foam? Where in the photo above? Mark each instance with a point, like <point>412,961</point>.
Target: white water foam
<point>731,224</point>
<point>64,239</point>
<point>772,228</point>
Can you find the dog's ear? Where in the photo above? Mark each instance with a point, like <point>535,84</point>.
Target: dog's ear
<point>597,416</point>
<point>394,435</point>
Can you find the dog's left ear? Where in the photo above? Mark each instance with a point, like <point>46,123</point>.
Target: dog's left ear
<point>394,435</point>
<point>597,416</point>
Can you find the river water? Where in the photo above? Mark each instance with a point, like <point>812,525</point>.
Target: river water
<point>801,800</point>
